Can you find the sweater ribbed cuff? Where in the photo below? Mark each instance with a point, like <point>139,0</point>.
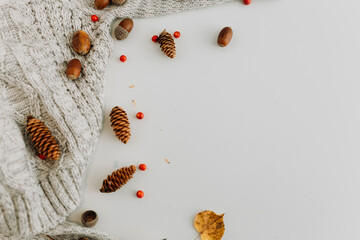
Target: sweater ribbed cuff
<point>59,195</point>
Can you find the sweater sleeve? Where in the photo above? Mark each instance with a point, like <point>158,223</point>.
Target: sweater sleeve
<point>150,8</point>
<point>35,46</point>
<point>17,180</point>
<point>64,231</point>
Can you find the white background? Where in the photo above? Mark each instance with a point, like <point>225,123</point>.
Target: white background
<point>266,130</point>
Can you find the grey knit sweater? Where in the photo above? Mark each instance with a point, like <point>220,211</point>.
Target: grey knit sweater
<point>37,196</point>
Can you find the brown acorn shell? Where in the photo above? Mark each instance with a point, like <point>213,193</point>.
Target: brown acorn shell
<point>101,4</point>
<point>127,24</point>
<point>225,36</point>
<point>81,42</point>
<point>73,69</point>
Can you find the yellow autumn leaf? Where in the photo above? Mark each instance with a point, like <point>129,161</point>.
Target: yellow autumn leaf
<point>210,225</point>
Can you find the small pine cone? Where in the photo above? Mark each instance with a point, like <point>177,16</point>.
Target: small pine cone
<point>43,140</point>
<point>167,44</point>
<point>117,179</point>
<point>120,123</point>
<point>118,2</point>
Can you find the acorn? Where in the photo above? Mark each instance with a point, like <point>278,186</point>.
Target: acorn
<point>101,4</point>
<point>81,42</point>
<point>225,36</point>
<point>123,29</point>
<point>73,69</point>
<point>118,2</point>
<point>89,218</point>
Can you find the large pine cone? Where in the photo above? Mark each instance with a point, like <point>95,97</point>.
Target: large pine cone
<point>167,44</point>
<point>117,179</point>
<point>43,140</point>
<point>120,123</point>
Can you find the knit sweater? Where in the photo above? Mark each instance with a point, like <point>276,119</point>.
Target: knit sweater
<point>36,196</point>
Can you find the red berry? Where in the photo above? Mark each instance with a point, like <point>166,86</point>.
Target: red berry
<point>142,167</point>
<point>94,18</point>
<point>154,38</point>
<point>177,34</point>
<point>41,156</point>
<point>247,2</point>
<point>140,115</point>
<point>140,194</point>
<point>123,58</point>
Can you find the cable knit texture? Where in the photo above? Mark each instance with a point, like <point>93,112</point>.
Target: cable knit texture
<point>36,196</point>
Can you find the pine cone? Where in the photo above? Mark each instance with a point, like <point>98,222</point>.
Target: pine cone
<point>117,179</point>
<point>43,140</point>
<point>120,123</point>
<point>167,44</point>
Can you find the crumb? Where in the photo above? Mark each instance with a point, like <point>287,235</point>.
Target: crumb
<point>131,86</point>
<point>167,160</point>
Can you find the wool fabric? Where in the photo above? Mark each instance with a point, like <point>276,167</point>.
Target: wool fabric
<point>36,196</point>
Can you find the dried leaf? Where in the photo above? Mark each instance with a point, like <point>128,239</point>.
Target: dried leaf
<point>210,225</point>
<point>167,160</point>
<point>131,86</point>
<point>134,103</point>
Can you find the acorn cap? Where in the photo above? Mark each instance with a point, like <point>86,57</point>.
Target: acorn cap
<point>121,33</point>
<point>89,218</point>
